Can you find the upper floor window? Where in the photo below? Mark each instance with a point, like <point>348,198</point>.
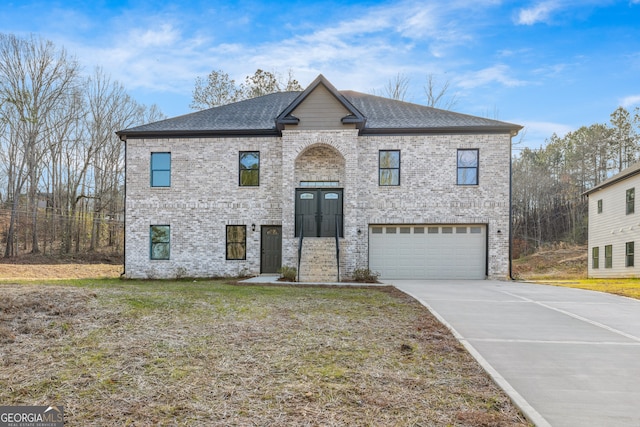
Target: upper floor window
<point>600,206</point>
<point>631,201</point>
<point>236,242</point>
<point>468,167</point>
<point>160,241</point>
<point>249,168</point>
<point>160,169</point>
<point>389,167</point>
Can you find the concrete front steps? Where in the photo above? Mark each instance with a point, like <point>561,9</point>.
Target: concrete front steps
<point>318,261</point>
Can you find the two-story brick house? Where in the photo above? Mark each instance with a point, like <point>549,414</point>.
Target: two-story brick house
<point>614,225</point>
<point>410,191</point>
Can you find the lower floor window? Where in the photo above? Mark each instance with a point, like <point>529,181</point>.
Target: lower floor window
<point>236,242</point>
<point>160,241</point>
<point>629,254</point>
<point>595,257</point>
<point>608,256</point>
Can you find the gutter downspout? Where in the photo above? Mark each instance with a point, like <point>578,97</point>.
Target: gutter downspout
<point>124,214</point>
<point>510,207</point>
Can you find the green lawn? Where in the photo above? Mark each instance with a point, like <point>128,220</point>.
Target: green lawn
<point>625,287</point>
<point>214,353</point>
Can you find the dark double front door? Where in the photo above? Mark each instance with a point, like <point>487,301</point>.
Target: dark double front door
<point>319,212</point>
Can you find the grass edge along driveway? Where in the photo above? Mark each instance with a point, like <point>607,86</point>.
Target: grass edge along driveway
<point>624,287</point>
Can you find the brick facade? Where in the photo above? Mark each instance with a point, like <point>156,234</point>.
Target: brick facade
<point>205,196</point>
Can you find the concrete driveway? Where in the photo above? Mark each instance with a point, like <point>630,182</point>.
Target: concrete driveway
<point>567,357</point>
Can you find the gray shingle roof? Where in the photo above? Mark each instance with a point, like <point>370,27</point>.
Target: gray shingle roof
<point>258,116</point>
<point>385,113</point>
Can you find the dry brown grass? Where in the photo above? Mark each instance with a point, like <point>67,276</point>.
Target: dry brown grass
<point>58,271</point>
<point>210,353</point>
<point>558,262</point>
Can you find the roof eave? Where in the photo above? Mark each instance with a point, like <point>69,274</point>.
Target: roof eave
<point>124,135</point>
<point>611,181</point>
<point>512,131</point>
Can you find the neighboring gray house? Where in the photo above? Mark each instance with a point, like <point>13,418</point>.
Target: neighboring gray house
<point>614,225</point>
<point>411,191</point>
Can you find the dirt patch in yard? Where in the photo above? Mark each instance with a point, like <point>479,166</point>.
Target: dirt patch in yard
<point>558,261</point>
<point>211,353</point>
<point>34,267</point>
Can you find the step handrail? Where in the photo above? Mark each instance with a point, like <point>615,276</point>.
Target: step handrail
<point>338,245</point>
<point>300,243</point>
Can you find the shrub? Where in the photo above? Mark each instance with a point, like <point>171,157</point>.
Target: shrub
<point>288,273</point>
<point>365,275</point>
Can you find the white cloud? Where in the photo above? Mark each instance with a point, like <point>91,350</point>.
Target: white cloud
<point>535,134</point>
<point>632,100</point>
<point>538,13</point>
<point>166,35</point>
<point>497,74</point>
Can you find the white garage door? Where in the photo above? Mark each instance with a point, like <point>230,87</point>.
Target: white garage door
<point>428,251</point>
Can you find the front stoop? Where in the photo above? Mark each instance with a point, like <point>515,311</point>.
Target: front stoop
<point>318,262</point>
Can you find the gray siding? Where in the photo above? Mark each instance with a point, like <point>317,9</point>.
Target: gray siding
<point>320,110</point>
<point>614,227</point>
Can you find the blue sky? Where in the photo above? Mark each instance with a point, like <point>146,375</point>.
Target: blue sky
<point>551,66</point>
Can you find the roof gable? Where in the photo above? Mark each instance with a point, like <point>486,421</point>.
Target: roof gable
<point>352,115</point>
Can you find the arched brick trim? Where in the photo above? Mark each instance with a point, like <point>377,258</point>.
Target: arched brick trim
<point>320,162</point>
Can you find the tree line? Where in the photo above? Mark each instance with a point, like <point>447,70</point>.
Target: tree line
<point>548,202</point>
<point>61,165</point>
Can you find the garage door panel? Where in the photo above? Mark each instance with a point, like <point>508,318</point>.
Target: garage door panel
<point>455,251</point>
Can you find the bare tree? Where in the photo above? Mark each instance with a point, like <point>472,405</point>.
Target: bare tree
<point>438,94</point>
<point>35,77</point>
<point>397,87</point>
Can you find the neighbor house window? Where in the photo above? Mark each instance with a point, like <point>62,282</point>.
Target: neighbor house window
<point>160,241</point>
<point>595,257</point>
<point>468,167</point>
<point>236,242</point>
<point>389,167</point>
<point>600,206</point>
<point>629,254</point>
<point>608,256</point>
<point>249,168</point>
<point>631,201</point>
<point>160,169</point>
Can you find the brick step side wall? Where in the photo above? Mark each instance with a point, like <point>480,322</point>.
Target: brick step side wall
<point>318,261</point>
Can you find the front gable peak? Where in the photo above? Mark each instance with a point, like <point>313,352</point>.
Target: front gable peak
<point>321,89</point>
